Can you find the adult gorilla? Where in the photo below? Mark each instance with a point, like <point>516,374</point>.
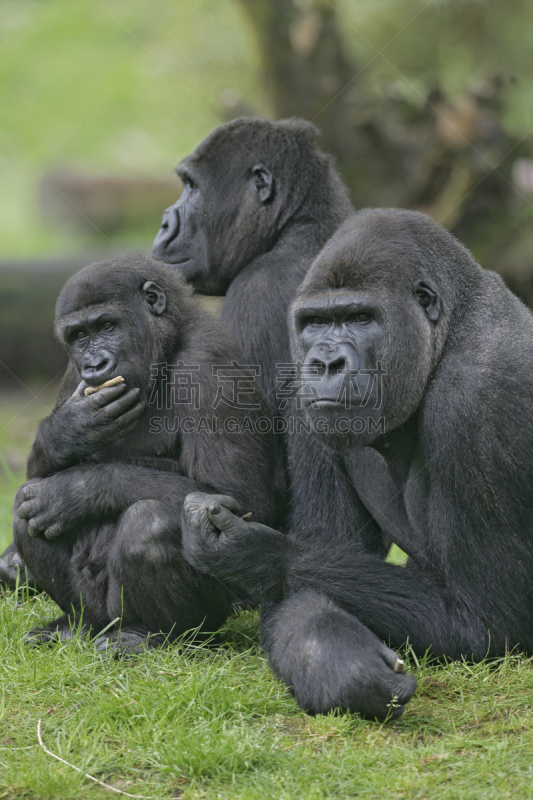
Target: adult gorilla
<point>109,471</point>
<point>440,456</point>
<point>259,201</point>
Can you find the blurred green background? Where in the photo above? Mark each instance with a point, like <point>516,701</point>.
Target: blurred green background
<point>425,105</point>
<point>125,88</point>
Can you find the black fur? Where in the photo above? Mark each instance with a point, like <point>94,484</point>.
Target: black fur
<point>259,202</point>
<point>449,479</point>
<point>99,517</point>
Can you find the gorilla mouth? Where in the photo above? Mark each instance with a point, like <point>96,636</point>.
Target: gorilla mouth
<point>325,402</point>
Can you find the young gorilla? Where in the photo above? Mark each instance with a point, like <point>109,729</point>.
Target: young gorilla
<point>259,201</point>
<point>440,455</point>
<point>100,516</point>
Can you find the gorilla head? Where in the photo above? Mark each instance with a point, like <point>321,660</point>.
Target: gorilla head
<point>242,186</point>
<point>370,321</point>
<point>119,317</point>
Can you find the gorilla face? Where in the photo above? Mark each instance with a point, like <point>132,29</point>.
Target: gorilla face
<point>181,238</point>
<point>341,340</point>
<point>339,337</point>
<point>366,334</point>
<point>224,216</point>
<point>107,339</point>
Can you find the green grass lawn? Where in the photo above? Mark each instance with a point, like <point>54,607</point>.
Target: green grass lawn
<point>213,722</point>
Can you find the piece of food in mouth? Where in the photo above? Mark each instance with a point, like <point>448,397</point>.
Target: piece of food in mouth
<point>111,382</point>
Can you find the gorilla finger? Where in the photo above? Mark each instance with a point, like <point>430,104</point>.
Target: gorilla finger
<point>123,432</point>
<point>80,389</point>
<point>200,499</point>
<point>105,396</point>
<point>394,710</point>
<point>404,687</point>
<point>226,521</point>
<point>196,524</point>
<point>34,528</point>
<point>133,415</point>
<point>392,659</point>
<point>27,510</point>
<point>30,490</point>
<point>122,404</point>
<point>53,531</point>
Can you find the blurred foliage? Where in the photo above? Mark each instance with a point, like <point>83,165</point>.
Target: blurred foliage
<point>126,87</point>
<point>119,85</point>
<point>455,43</point>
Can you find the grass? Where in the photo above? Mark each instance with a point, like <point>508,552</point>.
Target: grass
<point>213,722</point>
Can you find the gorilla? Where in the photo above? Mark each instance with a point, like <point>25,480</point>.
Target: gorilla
<point>98,522</point>
<point>417,387</point>
<point>259,201</point>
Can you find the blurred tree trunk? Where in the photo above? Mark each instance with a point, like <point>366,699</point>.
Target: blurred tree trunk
<point>451,160</point>
<point>306,71</point>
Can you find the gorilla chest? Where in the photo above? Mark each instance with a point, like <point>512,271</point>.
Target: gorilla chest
<point>396,499</point>
<point>153,439</point>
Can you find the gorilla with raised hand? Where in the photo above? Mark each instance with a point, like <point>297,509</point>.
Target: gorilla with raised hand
<point>259,201</point>
<point>98,522</point>
<point>417,383</point>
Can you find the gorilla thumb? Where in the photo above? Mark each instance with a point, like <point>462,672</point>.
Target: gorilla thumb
<point>224,520</point>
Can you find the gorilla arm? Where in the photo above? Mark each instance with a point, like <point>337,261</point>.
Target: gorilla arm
<point>80,426</point>
<point>396,604</point>
<point>95,493</point>
<point>348,667</point>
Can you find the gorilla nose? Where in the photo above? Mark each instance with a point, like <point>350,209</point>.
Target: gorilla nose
<point>98,368</point>
<point>170,225</point>
<point>328,361</point>
<point>325,366</point>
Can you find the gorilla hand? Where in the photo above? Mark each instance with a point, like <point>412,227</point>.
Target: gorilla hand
<point>246,555</point>
<point>83,425</point>
<point>52,505</point>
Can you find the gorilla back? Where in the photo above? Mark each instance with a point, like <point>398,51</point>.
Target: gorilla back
<point>99,518</point>
<point>259,201</point>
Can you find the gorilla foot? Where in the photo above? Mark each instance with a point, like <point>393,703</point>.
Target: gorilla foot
<point>330,660</point>
<point>62,629</point>
<point>130,641</point>
<point>13,569</point>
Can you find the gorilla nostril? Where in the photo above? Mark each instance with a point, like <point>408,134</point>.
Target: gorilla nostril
<point>168,231</point>
<point>170,224</point>
<point>339,365</point>
<point>315,367</point>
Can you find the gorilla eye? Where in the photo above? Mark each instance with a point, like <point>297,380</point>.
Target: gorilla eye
<point>107,326</point>
<point>190,183</point>
<point>361,318</point>
<point>80,335</point>
<point>317,321</point>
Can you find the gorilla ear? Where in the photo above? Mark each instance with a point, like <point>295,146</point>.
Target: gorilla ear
<point>154,297</point>
<point>262,184</point>
<point>428,298</point>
